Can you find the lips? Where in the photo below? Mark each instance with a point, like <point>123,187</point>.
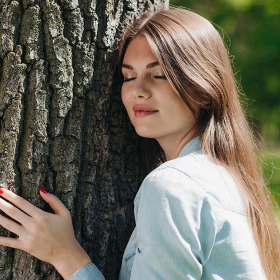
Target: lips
<point>141,114</point>
<point>143,108</point>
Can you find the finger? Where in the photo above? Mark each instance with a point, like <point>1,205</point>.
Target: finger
<point>10,225</point>
<point>13,212</point>
<point>54,202</point>
<point>20,202</point>
<point>10,242</point>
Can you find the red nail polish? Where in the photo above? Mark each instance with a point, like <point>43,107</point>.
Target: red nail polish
<point>43,190</point>
<point>1,191</point>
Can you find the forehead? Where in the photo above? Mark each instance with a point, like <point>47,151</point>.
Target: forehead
<point>139,49</point>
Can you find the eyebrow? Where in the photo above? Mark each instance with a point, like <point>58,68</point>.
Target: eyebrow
<point>148,66</point>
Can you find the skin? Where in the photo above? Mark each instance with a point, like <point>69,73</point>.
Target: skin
<point>173,126</point>
<point>50,237</point>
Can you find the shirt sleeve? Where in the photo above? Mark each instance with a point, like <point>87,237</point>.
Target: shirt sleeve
<point>176,227</point>
<point>87,272</point>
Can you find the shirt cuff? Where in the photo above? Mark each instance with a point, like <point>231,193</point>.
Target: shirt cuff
<point>87,272</point>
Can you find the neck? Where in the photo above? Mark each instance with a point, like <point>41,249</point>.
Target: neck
<point>173,147</point>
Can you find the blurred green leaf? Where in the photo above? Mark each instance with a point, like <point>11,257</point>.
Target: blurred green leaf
<point>251,30</point>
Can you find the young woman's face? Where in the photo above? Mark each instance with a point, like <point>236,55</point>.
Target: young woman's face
<point>145,84</point>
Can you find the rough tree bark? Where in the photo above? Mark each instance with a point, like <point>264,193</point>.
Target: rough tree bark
<point>62,123</point>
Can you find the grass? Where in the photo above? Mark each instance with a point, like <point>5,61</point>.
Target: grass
<point>271,170</point>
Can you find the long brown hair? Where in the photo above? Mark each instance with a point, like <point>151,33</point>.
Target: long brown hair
<point>196,62</point>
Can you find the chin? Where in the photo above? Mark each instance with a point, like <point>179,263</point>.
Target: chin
<point>146,133</point>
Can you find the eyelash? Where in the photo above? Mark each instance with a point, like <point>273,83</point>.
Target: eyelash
<point>158,77</point>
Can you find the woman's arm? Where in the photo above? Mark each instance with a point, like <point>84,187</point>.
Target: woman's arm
<point>49,237</point>
<point>75,261</point>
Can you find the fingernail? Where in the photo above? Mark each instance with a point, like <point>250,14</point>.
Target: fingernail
<point>1,191</point>
<point>43,190</point>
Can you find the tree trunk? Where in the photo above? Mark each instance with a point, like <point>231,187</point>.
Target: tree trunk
<point>63,126</point>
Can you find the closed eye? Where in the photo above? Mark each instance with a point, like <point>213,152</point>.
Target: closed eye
<point>127,80</point>
<point>160,77</point>
<point>157,77</point>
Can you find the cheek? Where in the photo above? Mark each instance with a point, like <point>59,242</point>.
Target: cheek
<point>125,99</point>
<point>178,111</point>
<point>123,96</point>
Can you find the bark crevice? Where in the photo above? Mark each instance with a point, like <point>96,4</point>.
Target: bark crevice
<point>63,125</point>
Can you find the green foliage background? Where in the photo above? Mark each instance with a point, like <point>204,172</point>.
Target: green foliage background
<point>251,31</point>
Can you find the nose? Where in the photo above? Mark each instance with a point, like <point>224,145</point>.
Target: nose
<point>142,94</point>
<point>141,90</point>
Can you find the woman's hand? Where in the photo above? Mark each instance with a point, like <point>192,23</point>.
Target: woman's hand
<point>49,237</point>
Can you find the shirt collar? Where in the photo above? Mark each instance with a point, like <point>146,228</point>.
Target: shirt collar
<point>192,146</point>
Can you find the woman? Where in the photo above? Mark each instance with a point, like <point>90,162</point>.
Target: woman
<point>202,213</point>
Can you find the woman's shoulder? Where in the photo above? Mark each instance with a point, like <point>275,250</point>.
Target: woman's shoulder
<point>198,172</point>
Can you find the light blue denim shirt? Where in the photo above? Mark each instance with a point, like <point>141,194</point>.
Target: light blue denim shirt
<point>190,224</point>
